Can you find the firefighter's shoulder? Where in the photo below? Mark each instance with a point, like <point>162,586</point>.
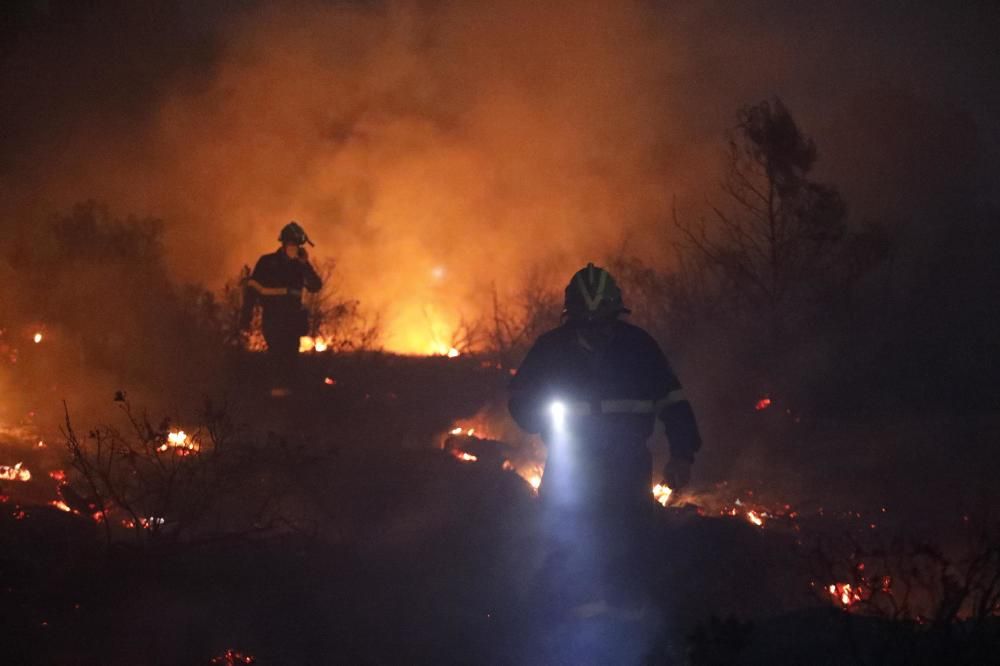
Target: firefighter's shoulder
<point>630,334</point>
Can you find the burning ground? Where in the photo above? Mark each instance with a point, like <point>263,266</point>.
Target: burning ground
<point>328,530</point>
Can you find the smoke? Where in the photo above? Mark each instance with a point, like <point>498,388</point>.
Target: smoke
<point>432,149</point>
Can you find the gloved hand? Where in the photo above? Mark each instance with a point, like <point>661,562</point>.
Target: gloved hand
<point>677,473</point>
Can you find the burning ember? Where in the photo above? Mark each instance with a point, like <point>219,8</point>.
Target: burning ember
<point>762,404</point>
<point>464,457</point>
<point>180,442</point>
<point>232,658</point>
<point>662,493</point>
<point>37,338</point>
<point>845,594</point>
<point>755,518</point>
<point>15,473</point>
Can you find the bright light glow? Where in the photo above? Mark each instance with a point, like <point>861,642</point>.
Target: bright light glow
<point>558,411</point>
<point>438,273</point>
<point>37,338</point>
<point>535,481</point>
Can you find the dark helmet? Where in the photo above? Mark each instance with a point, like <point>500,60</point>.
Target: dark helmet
<point>294,233</point>
<point>593,294</point>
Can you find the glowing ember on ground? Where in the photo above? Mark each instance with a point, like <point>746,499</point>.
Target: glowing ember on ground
<point>232,658</point>
<point>15,473</point>
<point>465,457</point>
<point>330,381</point>
<point>755,518</point>
<point>58,475</point>
<point>456,431</point>
<point>662,493</point>
<point>37,338</point>
<point>762,404</point>
<point>844,593</point>
<point>180,442</point>
<point>62,506</point>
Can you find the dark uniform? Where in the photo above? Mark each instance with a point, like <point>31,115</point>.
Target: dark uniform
<point>613,380</point>
<point>610,381</point>
<point>277,283</point>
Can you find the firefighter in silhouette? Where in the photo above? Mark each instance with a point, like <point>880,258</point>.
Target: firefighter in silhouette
<point>276,284</point>
<point>593,388</point>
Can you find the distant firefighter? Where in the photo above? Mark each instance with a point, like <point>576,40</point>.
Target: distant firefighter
<point>277,283</point>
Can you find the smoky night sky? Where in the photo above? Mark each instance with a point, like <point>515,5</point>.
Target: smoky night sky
<point>485,138</point>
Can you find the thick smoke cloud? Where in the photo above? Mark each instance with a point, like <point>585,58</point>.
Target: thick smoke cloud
<point>433,149</point>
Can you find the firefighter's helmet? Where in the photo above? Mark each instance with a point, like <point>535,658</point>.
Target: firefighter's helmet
<point>593,294</point>
<point>294,233</point>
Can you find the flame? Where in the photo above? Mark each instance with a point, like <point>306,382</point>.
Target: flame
<point>37,338</point>
<point>755,518</point>
<point>464,457</point>
<point>762,404</point>
<point>330,381</point>
<point>317,344</point>
<point>180,442</point>
<point>845,594</point>
<point>662,493</point>
<point>15,473</point>
<point>62,506</point>
<point>441,349</point>
<point>456,431</point>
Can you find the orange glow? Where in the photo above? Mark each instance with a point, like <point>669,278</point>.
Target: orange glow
<point>37,338</point>
<point>762,404</point>
<point>755,518</point>
<point>62,506</point>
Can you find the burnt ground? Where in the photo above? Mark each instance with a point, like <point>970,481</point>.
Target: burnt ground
<point>382,550</point>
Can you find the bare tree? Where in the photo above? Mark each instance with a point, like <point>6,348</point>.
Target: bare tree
<point>774,239</point>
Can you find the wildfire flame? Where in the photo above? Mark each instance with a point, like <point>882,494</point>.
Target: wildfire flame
<point>37,338</point>
<point>180,442</point>
<point>844,593</point>
<point>662,493</point>
<point>317,344</point>
<point>15,473</point>
<point>755,518</point>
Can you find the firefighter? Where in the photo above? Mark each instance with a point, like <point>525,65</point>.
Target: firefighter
<point>593,388</point>
<point>276,283</point>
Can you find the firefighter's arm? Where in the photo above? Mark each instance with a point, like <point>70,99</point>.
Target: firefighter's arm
<point>674,410</point>
<point>311,279</point>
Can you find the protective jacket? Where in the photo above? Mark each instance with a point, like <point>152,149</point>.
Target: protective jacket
<point>277,283</point>
<point>613,388</point>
